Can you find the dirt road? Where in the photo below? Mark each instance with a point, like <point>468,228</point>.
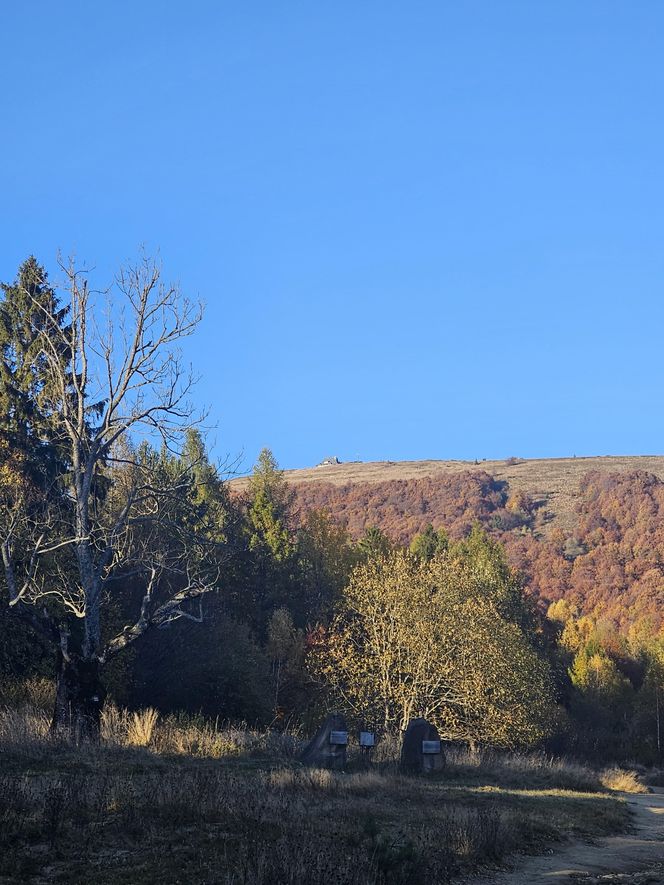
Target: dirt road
<point>634,859</point>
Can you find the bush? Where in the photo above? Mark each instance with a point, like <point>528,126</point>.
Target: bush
<point>622,780</point>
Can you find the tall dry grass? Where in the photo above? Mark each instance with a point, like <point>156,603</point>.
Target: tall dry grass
<point>26,730</point>
<point>622,780</point>
<point>528,770</point>
<point>532,770</point>
<point>184,799</point>
<point>142,726</point>
<point>37,692</point>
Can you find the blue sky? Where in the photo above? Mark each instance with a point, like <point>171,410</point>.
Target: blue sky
<point>422,230</point>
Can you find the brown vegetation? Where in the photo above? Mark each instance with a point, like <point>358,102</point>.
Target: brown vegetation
<point>403,507</point>
<point>242,810</point>
<point>613,564</point>
<point>553,481</point>
<point>593,536</point>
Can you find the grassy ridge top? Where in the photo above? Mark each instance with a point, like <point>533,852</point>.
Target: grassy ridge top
<point>554,481</point>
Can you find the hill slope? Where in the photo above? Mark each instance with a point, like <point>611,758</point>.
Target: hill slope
<point>554,483</point>
<point>587,529</point>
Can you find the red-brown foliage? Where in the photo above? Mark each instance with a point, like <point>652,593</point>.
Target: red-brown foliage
<point>611,566</point>
<point>403,507</point>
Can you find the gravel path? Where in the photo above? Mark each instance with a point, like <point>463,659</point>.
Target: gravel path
<point>634,859</point>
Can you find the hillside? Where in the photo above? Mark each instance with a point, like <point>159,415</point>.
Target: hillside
<point>553,483</point>
<point>587,529</point>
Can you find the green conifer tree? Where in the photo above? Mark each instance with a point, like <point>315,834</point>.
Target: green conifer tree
<point>271,543</point>
<point>429,542</point>
<point>270,509</point>
<point>29,307</point>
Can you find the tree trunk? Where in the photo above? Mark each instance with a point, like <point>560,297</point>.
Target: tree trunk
<point>79,699</point>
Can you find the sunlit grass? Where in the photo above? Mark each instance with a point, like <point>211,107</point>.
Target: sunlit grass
<point>200,801</point>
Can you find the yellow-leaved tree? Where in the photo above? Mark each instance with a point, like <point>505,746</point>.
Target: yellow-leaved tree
<point>431,638</point>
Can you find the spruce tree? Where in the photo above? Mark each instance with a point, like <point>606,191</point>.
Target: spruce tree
<point>29,307</point>
<point>429,542</point>
<point>29,459</point>
<point>271,543</point>
<point>270,509</point>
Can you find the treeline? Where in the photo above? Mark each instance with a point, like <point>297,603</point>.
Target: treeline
<point>305,619</point>
<point>614,686</point>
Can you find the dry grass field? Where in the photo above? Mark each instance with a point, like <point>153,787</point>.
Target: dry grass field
<point>552,481</point>
<point>171,801</point>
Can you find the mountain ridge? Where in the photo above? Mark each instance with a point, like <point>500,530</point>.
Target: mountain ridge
<point>590,530</point>
<point>553,482</point>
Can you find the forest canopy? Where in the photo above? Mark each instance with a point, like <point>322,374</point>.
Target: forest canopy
<point>610,565</point>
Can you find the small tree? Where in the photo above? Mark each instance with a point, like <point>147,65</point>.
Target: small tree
<point>429,542</point>
<point>602,701</point>
<point>110,511</point>
<point>285,650</point>
<point>374,543</point>
<point>271,543</point>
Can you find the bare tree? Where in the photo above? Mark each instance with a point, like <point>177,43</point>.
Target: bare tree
<point>114,375</point>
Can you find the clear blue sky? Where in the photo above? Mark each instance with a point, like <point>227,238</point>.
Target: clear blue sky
<point>422,229</point>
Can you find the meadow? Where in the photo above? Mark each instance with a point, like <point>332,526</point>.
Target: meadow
<point>182,799</point>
